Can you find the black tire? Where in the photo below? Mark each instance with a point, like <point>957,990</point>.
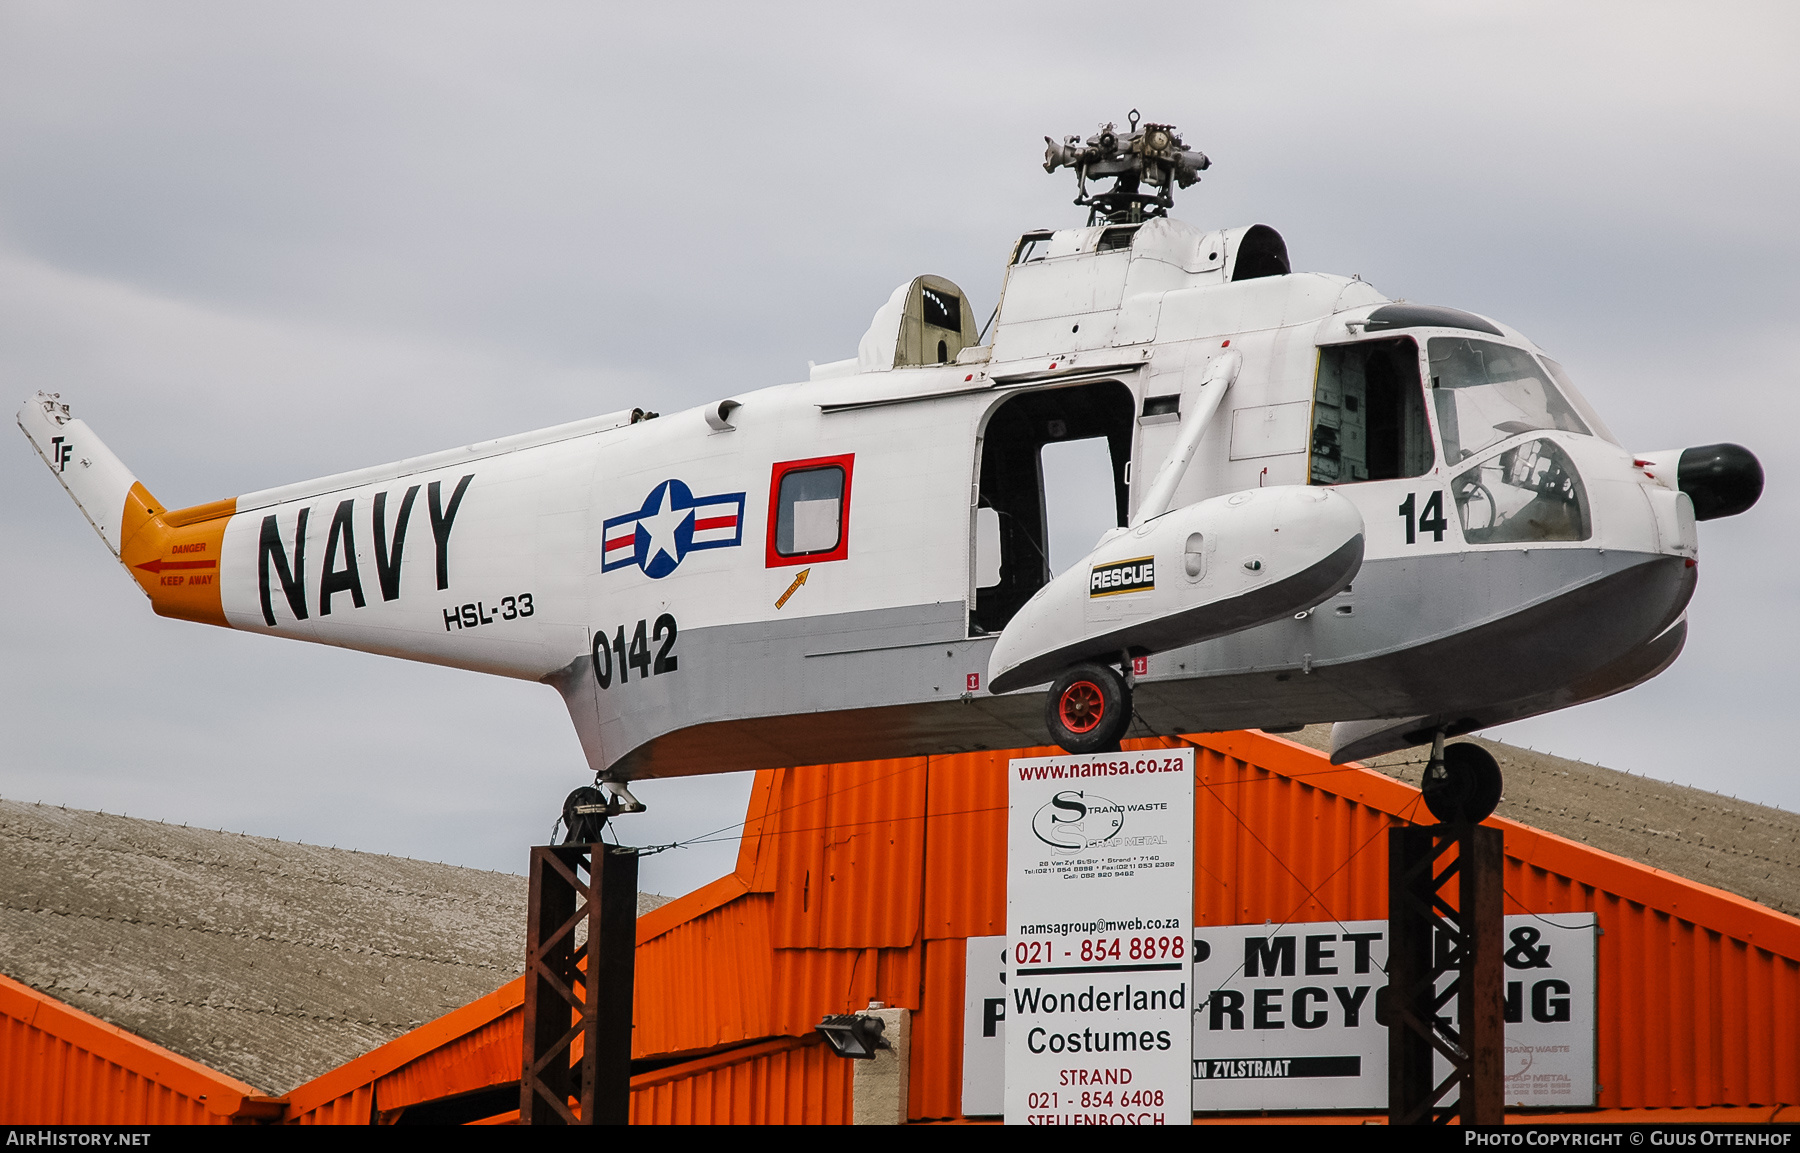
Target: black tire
<point>1468,788</point>
<point>1088,709</point>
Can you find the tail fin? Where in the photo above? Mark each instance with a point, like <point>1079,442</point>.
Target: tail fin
<point>104,489</point>
<point>145,536</point>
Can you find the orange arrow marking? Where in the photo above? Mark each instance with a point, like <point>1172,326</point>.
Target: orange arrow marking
<point>159,564</point>
<point>798,581</point>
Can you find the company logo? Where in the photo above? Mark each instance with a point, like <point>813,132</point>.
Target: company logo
<point>1074,820</point>
<point>672,523</point>
<point>1125,576</point>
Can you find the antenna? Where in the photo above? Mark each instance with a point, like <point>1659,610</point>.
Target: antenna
<point>1153,155</point>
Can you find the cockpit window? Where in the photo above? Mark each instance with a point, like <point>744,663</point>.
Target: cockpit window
<point>1486,392</point>
<point>1530,492</point>
<point>1578,402</point>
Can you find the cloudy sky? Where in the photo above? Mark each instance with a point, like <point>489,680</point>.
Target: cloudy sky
<point>254,243</point>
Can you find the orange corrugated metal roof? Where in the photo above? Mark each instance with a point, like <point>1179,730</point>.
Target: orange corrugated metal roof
<point>462,1050</point>
<point>689,998</point>
<point>66,1067</point>
<point>860,881</point>
<point>483,1057</point>
<point>791,1081</point>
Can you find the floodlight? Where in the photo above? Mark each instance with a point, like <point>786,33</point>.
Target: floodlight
<point>853,1036</point>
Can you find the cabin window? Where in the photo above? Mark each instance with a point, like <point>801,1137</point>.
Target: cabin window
<point>810,513</point>
<point>1369,414</point>
<point>1528,493</point>
<point>1169,405</point>
<point>809,503</point>
<point>1486,392</point>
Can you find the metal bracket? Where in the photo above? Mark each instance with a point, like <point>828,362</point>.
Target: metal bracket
<point>622,801</point>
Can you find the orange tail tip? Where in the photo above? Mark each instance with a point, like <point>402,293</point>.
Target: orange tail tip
<point>174,556</point>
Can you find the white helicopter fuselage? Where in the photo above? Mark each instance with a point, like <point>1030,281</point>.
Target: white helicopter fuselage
<point>823,570</point>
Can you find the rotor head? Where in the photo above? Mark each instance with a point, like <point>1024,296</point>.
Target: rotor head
<point>1141,159</point>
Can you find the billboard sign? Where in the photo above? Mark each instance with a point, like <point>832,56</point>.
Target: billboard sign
<point>1099,896</point>
<point>1285,1016</point>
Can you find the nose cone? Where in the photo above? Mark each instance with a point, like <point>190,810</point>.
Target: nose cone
<point>1721,479</point>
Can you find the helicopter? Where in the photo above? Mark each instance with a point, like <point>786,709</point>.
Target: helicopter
<point>1331,506</point>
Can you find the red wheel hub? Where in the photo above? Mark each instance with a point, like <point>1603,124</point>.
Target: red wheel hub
<point>1081,707</point>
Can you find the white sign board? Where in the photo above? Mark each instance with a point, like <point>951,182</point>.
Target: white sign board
<point>1285,1016</point>
<point>1099,904</point>
<point>1551,983</point>
<point>984,1027</point>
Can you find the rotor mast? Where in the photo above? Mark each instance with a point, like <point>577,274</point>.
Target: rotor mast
<point>1137,160</point>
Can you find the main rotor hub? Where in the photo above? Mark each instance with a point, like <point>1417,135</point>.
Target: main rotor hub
<point>1147,157</point>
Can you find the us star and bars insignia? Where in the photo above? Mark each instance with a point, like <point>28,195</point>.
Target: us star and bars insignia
<point>673,523</point>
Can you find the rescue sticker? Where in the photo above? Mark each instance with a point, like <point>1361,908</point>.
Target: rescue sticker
<point>1126,576</point>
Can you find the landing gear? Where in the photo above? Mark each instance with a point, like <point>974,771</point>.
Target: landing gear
<point>1088,709</point>
<point>586,810</point>
<point>1462,783</point>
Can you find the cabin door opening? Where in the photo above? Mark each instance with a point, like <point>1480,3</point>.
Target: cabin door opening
<point>1369,414</point>
<point>1021,523</point>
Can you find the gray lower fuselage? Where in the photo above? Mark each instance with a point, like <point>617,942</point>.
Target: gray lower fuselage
<point>1475,639</point>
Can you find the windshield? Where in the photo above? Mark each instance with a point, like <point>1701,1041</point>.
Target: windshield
<point>1561,376</point>
<point>1486,392</point>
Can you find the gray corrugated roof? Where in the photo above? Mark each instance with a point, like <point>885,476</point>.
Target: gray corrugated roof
<point>270,961</point>
<point>1744,848</point>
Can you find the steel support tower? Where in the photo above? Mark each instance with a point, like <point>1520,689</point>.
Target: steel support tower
<point>1444,920</point>
<point>577,1035</point>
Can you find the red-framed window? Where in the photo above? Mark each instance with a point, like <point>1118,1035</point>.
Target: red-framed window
<point>809,510</point>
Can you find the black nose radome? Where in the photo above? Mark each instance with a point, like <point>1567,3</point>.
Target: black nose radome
<point>1721,479</point>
